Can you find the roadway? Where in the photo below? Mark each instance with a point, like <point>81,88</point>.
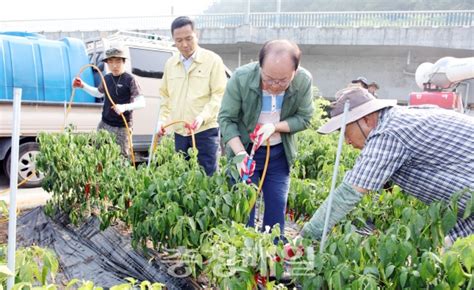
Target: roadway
<point>26,197</point>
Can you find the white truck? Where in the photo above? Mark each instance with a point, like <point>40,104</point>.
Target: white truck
<point>44,69</point>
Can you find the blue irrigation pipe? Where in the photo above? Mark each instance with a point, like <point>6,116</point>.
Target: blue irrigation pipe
<point>334,175</point>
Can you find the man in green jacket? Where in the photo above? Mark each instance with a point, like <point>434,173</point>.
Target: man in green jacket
<point>276,95</point>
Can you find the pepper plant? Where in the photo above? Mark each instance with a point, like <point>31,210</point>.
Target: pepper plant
<point>316,152</point>
<point>406,254</point>
<point>237,257</point>
<point>179,203</point>
<point>73,165</point>
<point>34,265</point>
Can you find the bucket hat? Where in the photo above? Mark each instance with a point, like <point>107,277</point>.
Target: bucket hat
<point>361,103</point>
<point>113,52</point>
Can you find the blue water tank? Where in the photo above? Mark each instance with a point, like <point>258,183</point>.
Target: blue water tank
<point>43,68</point>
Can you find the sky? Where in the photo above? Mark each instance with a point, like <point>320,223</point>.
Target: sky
<point>64,9</point>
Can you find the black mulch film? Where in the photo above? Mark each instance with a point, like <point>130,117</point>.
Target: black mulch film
<point>86,253</point>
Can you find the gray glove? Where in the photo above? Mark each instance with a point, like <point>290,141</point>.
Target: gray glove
<point>344,200</point>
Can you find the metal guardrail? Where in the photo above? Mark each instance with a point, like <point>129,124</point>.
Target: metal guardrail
<point>453,18</point>
<point>342,19</point>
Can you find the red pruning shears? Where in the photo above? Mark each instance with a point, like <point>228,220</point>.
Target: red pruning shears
<point>256,139</point>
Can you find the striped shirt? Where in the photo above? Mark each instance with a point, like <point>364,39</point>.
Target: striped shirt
<point>271,110</point>
<point>428,152</point>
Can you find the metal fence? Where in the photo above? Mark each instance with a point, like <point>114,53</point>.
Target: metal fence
<point>229,20</point>
<point>365,19</point>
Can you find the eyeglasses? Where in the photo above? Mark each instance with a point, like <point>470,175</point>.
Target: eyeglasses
<point>280,82</point>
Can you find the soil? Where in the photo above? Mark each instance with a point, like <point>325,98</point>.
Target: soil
<point>3,230</point>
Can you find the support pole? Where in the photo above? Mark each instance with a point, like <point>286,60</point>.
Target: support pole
<point>150,150</point>
<point>334,176</point>
<point>13,185</point>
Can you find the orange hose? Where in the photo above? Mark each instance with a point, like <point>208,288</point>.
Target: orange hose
<point>265,167</point>
<point>264,173</point>
<point>171,124</point>
<point>20,183</point>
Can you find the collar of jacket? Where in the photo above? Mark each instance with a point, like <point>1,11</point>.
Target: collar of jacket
<point>197,57</point>
<point>255,83</point>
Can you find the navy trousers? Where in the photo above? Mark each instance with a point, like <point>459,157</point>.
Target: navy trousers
<point>207,143</point>
<point>275,187</point>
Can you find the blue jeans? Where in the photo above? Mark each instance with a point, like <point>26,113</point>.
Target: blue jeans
<point>207,143</point>
<point>275,187</point>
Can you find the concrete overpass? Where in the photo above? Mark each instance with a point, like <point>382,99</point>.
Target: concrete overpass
<point>337,47</point>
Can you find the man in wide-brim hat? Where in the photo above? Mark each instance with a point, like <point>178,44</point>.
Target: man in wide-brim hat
<point>427,151</point>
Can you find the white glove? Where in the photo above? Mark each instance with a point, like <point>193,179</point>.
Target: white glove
<point>243,167</point>
<point>121,108</point>
<point>138,103</point>
<point>266,130</point>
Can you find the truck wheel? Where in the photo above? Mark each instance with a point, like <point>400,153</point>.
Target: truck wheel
<point>26,165</point>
